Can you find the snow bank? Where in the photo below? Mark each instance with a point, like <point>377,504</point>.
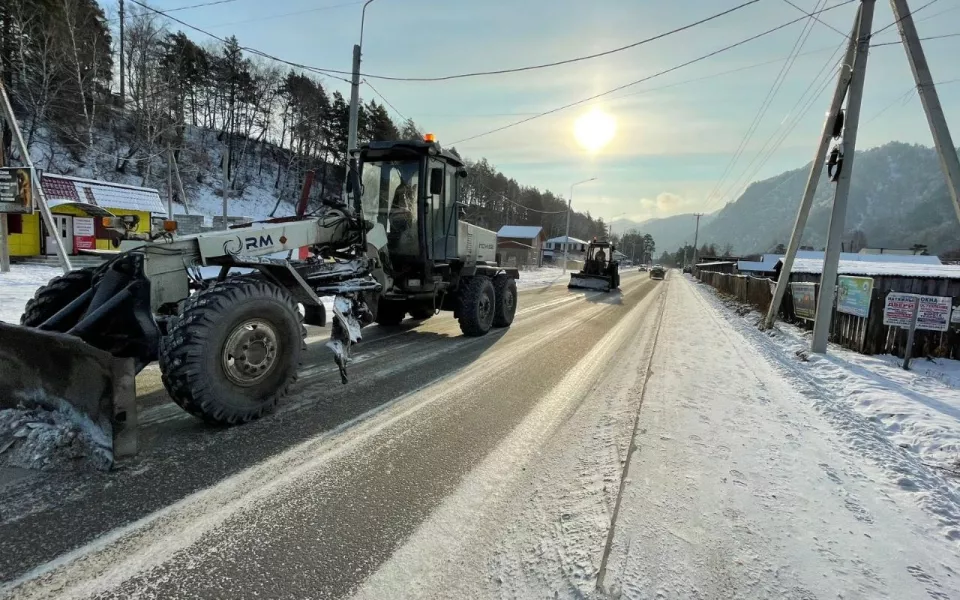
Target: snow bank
<point>541,277</point>
<point>19,285</point>
<point>35,438</point>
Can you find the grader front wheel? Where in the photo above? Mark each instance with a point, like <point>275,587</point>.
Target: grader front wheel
<point>234,351</point>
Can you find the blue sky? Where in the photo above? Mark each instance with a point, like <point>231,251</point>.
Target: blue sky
<point>674,139</point>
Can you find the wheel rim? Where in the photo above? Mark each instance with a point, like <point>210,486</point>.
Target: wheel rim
<point>485,308</point>
<point>250,352</point>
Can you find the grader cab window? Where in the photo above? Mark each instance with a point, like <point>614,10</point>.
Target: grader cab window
<point>389,199</point>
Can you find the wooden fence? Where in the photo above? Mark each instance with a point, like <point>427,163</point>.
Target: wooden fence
<point>755,291</point>
<point>867,335</point>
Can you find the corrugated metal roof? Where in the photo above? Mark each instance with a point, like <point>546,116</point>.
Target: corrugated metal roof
<point>526,232</point>
<point>715,263</point>
<point>769,262</point>
<point>102,193</point>
<point>750,265</point>
<point>887,268</point>
<point>562,239</point>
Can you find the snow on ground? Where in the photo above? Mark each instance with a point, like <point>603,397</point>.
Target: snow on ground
<point>745,481</point>
<point>919,410</point>
<point>752,481</point>
<point>541,277</point>
<point>18,286</point>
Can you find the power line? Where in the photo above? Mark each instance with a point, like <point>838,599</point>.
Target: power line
<point>817,19</point>
<point>477,73</point>
<point>289,14</point>
<point>245,48</point>
<point>904,98</point>
<point>796,119</point>
<point>571,60</point>
<point>889,25</point>
<point>931,37</point>
<point>766,103</point>
<point>649,77</point>
<point>504,197</point>
<point>384,98</point>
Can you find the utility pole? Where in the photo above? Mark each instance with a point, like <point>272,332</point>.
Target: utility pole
<point>123,97</point>
<point>183,195</point>
<point>831,259</point>
<point>816,169</point>
<point>354,101</point>
<point>226,169</point>
<point>566,236</point>
<point>169,183</point>
<point>696,236</point>
<point>4,229</point>
<point>928,97</point>
<point>36,190</point>
<point>355,93</point>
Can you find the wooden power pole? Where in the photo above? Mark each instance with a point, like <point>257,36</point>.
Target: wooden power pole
<point>929,98</point>
<point>696,236</point>
<point>851,82</point>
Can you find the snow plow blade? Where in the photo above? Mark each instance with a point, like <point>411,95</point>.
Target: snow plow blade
<point>60,372</point>
<point>589,282</point>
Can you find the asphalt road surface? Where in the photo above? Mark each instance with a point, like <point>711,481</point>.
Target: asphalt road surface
<point>311,500</point>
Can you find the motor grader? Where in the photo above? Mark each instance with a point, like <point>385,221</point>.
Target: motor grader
<point>229,347</point>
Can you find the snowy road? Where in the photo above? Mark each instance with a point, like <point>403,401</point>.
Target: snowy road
<point>492,468</point>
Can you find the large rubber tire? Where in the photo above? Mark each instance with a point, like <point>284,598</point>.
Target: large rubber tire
<point>477,306</point>
<point>422,310</point>
<point>59,292</point>
<point>202,376</point>
<point>390,312</point>
<point>505,308</point>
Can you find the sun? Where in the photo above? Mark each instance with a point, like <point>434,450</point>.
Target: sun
<point>594,130</point>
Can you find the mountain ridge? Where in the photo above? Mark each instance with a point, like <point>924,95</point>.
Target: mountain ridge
<point>898,198</point>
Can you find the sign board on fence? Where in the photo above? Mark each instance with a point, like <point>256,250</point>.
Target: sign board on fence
<point>15,192</point>
<point>898,309</point>
<point>84,233</point>
<point>933,314</point>
<point>853,295</point>
<point>804,300</point>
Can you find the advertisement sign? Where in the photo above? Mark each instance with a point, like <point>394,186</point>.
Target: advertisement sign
<point>804,300</point>
<point>933,312</point>
<point>15,191</point>
<point>898,309</point>
<point>84,233</point>
<point>853,295</point>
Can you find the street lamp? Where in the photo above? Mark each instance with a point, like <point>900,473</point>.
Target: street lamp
<point>355,87</point>
<point>566,237</point>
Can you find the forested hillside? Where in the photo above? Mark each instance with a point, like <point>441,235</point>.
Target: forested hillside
<point>88,109</point>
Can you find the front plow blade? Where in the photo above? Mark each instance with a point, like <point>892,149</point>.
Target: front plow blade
<point>59,372</point>
<point>589,282</point>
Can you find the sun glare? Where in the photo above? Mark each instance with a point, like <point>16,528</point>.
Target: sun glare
<point>594,130</point>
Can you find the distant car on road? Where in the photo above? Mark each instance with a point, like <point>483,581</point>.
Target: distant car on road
<point>643,268</point>
<point>657,272</point>
<point>688,269</point>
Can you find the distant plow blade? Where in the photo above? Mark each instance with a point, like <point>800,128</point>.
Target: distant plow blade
<point>589,282</point>
<point>60,372</point>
